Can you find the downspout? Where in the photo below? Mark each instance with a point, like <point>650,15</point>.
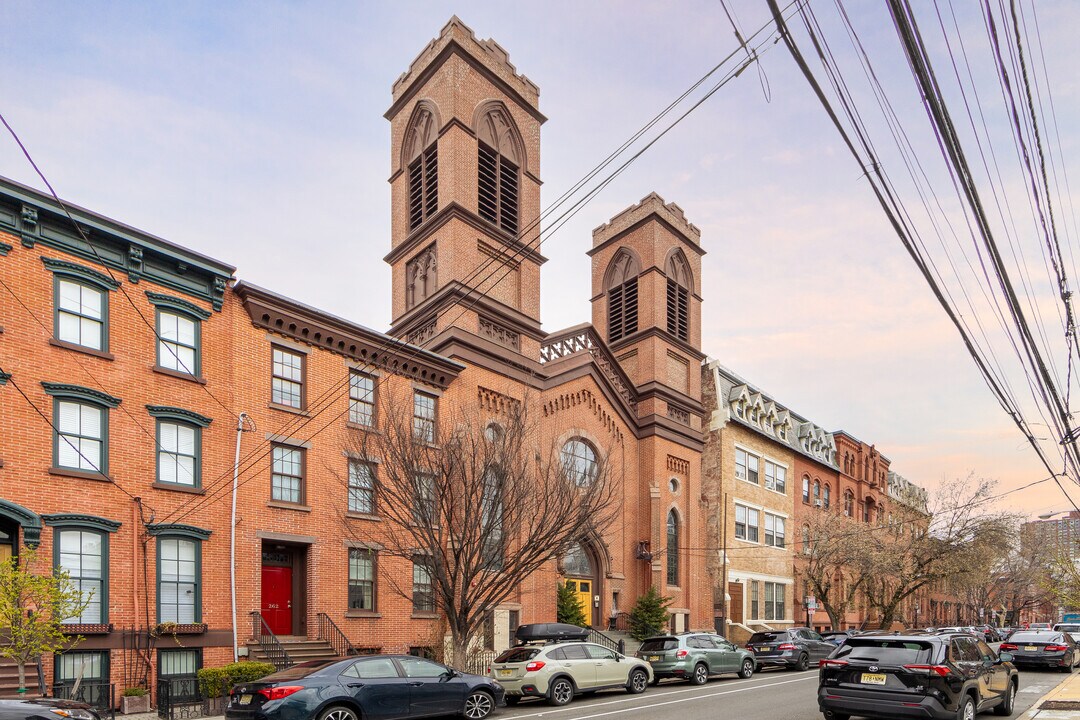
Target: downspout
<point>232,534</point>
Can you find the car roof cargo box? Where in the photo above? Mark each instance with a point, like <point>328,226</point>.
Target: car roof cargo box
<point>550,631</point>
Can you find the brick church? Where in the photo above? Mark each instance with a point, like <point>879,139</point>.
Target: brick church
<point>142,362</point>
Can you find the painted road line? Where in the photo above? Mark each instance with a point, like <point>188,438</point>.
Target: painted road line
<point>666,702</point>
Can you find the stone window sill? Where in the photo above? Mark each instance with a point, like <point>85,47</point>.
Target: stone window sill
<point>425,616</point>
<point>179,488</point>
<point>81,474</point>
<point>287,408</point>
<point>81,348</point>
<point>179,375</point>
<point>363,516</point>
<point>362,614</point>
<point>360,426</point>
<point>288,505</point>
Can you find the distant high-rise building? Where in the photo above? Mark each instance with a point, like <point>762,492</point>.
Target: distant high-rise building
<point>1062,533</point>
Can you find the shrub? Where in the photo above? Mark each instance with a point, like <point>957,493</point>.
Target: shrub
<point>135,692</point>
<point>649,616</point>
<point>215,682</point>
<point>568,607</point>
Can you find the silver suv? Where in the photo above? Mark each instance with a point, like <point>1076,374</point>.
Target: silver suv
<point>560,670</point>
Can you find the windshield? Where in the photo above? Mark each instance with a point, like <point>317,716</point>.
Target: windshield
<point>518,654</point>
<point>1068,627</point>
<point>657,644</point>
<point>767,637</point>
<point>886,652</point>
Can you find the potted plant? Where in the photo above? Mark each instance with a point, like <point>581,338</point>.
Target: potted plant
<point>134,700</point>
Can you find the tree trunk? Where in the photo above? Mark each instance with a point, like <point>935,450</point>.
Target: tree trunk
<point>22,677</point>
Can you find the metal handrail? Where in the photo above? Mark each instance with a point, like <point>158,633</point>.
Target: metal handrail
<point>272,648</point>
<point>329,632</point>
<point>595,636</point>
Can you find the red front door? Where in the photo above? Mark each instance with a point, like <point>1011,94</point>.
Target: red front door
<point>277,599</point>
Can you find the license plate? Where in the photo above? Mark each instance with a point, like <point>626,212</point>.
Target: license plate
<point>654,658</point>
<point>245,699</point>
<point>506,673</point>
<point>869,679</point>
<point>1031,648</point>
<point>763,649</point>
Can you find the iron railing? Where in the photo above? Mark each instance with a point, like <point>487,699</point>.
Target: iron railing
<point>595,636</point>
<point>271,647</point>
<point>330,633</point>
<point>478,661</point>
<point>99,695</point>
<point>183,698</point>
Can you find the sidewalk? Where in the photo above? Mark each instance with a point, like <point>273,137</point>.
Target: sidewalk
<point>1061,703</point>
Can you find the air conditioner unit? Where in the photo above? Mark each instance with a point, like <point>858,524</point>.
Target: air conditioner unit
<point>817,503</point>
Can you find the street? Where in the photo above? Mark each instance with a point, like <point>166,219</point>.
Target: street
<point>766,696</point>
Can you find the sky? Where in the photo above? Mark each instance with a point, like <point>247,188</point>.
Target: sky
<point>253,132</point>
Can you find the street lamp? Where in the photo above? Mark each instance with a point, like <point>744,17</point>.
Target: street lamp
<point>1047,516</point>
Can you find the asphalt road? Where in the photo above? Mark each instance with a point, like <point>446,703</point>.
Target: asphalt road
<point>771,694</point>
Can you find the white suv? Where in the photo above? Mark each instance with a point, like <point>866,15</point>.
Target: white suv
<point>559,670</point>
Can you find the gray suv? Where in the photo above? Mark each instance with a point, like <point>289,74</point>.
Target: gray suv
<point>695,656</point>
<point>795,648</point>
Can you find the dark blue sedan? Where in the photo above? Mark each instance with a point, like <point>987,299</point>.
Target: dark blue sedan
<point>376,687</point>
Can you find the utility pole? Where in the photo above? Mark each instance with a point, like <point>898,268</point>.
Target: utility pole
<point>723,578</point>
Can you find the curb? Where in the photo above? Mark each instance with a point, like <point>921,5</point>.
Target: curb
<point>1057,713</point>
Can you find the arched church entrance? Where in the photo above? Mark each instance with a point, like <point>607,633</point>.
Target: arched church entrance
<point>582,572</point>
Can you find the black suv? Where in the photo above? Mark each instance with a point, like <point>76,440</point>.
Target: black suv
<point>950,675</point>
<point>794,648</point>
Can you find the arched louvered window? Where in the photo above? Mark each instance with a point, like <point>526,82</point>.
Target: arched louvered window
<point>622,295</point>
<point>500,156</point>
<point>672,548</point>
<point>679,284</point>
<point>422,165</point>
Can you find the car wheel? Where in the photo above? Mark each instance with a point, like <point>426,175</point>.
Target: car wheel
<point>478,705</point>
<point>1006,706</point>
<point>637,682</point>
<point>966,711</point>
<point>804,662</point>
<point>561,692</point>
<point>338,712</point>
<point>700,675</point>
<point>747,669</point>
<point>513,699</point>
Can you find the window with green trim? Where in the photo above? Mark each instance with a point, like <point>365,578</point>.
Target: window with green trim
<point>180,668</point>
<point>90,671</point>
<point>178,342</point>
<point>179,580</point>
<point>83,554</point>
<point>82,312</point>
<point>179,454</point>
<point>80,440</point>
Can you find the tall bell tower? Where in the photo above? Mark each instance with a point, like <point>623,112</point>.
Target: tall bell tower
<point>465,190</point>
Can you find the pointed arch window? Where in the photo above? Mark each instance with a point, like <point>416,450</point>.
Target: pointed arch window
<point>622,295</point>
<point>817,492</point>
<point>672,548</point>
<point>500,156</point>
<point>827,496</point>
<point>422,164</point>
<point>678,295</point>
<point>849,503</point>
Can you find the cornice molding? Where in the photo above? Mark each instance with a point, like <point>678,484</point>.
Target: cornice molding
<point>190,531</point>
<point>5,248</point>
<point>180,414</point>
<point>75,519</point>
<point>295,320</point>
<point>454,293</point>
<point>663,335</point>
<point>77,392</point>
<point>80,272</point>
<point>28,520</point>
<point>161,300</point>
<point>518,250</point>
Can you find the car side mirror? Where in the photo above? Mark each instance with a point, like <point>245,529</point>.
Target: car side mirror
<point>1005,657</point>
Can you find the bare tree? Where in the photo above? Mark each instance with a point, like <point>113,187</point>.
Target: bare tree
<point>478,504</point>
<point>910,551</point>
<point>832,553</point>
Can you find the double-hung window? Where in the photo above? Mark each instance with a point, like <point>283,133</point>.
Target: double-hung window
<point>746,466</point>
<point>179,580</point>
<point>423,592</point>
<point>361,579</point>
<point>424,417</point>
<point>774,530</point>
<point>81,421</point>
<point>424,512</point>
<point>361,399</point>
<point>81,314</point>
<point>755,599</point>
<point>774,601</point>
<point>178,453</point>
<point>287,382</point>
<point>178,344</point>
<point>287,474</point>
<point>775,477</point>
<point>361,487</point>
<point>179,668</point>
<point>88,670</point>
<point>747,523</point>
<point>83,554</point>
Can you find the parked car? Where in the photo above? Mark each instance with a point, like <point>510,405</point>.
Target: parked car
<point>939,675</point>
<point>1043,648</point>
<point>46,709</point>
<point>837,637</point>
<point>1037,626</point>
<point>1072,628</point>
<point>557,665</point>
<point>794,648</point>
<point>694,657</point>
<point>384,686</point>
